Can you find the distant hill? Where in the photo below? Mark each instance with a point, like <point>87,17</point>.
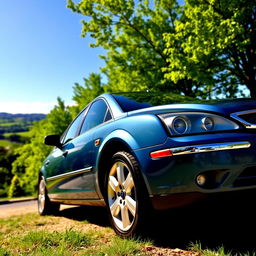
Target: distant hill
<point>11,124</point>
<point>24,117</point>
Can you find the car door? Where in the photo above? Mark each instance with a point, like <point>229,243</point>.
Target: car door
<point>74,175</point>
<point>64,168</point>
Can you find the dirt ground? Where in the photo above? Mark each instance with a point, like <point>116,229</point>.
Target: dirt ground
<point>213,224</point>
<point>67,221</point>
<point>12,209</point>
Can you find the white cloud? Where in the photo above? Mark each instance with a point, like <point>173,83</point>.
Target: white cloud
<point>27,107</point>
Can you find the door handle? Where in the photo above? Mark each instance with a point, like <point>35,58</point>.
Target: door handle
<point>65,153</point>
<point>47,162</point>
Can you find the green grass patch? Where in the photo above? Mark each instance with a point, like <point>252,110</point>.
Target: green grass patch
<point>68,240</point>
<point>22,134</point>
<point>32,234</point>
<point>220,251</point>
<point>5,143</point>
<point>4,252</point>
<point>10,124</point>
<point>120,247</point>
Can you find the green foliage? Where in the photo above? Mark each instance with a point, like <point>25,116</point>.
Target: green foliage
<point>15,187</point>
<point>214,43</point>
<point>203,49</point>
<point>83,94</point>
<point>31,155</point>
<point>5,143</point>
<point>5,177</point>
<point>58,119</point>
<point>7,156</point>
<point>131,32</point>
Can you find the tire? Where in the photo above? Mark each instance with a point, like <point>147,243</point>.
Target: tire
<point>125,195</point>
<point>45,206</point>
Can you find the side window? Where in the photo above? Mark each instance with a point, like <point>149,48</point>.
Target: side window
<point>107,116</point>
<point>72,130</point>
<point>95,116</point>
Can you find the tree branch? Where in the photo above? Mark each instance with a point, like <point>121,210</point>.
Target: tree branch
<point>146,39</point>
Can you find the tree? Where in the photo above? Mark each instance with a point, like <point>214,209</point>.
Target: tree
<point>218,46</point>
<point>7,156</point>
<point>31,155</point>
<point>15,188</point>
<point>83,94</point>
<point>131,32</point>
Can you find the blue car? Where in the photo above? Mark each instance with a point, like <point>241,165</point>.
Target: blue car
<point>130,157</point>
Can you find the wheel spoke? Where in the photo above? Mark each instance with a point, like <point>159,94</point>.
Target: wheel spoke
<point>113,183</point>
<point>41,189</point>
<point>115,208</point>
<point>125,217</point>
<point>120,173</point>
<point>128,184</point>
<point>131,204</point>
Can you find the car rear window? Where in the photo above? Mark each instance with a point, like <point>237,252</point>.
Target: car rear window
<point>127,103</point>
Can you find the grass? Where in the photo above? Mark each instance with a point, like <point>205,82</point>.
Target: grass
<point>32,234</point>
<point>220,251</point>
<point>18,197</point>
<point>22,134</point>
<point>36,235</point>
<point>10,124</point>
<point>5,143</point>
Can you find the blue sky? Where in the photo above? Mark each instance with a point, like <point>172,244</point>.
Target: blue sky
<point>42,54</point>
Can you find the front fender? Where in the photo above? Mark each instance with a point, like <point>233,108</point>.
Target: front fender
<point>121,136</point>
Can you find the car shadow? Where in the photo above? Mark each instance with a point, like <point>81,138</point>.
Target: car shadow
<point>92,214</point>
<point>222,221</point>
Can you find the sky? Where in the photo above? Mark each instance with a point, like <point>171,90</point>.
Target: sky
<point>42,55</point>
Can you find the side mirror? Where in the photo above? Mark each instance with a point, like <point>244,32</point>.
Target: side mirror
<point>52,140</point>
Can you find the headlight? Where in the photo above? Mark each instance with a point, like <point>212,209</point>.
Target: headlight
<point>193,122</point>
<point>207,123</point>
<point>179,124</point>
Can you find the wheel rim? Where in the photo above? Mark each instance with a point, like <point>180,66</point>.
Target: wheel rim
<point>41,196</point>
<point>122,198</point>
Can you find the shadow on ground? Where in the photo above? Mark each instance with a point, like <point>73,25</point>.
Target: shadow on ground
<point>222,221</point>
<point>92,214</point>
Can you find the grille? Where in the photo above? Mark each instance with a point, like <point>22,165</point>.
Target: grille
<point>246,178</point>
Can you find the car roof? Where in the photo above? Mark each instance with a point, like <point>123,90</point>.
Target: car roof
<point>225,107</point>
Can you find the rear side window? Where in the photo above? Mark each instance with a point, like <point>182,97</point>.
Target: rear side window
<point>96,115</point>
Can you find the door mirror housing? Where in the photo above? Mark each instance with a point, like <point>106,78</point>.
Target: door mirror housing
<point>53,140</point>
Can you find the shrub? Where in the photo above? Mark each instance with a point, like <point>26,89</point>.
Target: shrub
<point>15,188</point>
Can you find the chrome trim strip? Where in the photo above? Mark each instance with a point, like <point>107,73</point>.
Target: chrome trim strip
<point>65,175</point>
<point>209,147</point>
<point>90,202</point>
<point>247,124</point>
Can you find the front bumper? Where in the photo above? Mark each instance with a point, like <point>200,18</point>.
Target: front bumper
<point>227,161</point>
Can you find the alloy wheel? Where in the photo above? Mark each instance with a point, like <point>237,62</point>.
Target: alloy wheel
<point>122,198</point>
<point>41,196</point>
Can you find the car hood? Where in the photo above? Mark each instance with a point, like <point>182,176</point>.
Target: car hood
<point>223,107</point>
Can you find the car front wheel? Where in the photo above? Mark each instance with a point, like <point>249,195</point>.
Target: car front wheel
<point>124,195</point>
